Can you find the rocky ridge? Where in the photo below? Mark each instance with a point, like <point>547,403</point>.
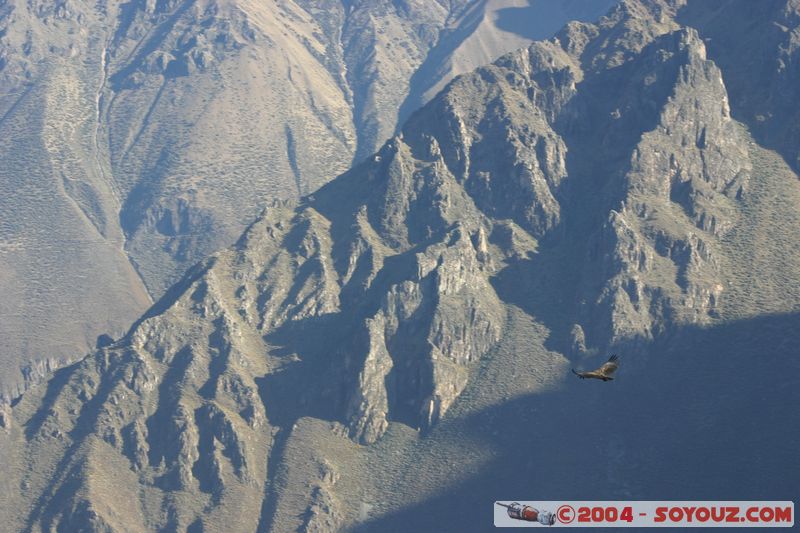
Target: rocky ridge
<point>138,137</point>
<point>601,171</point>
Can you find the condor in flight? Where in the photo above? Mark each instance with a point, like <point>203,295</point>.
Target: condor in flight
<point>604,372</point>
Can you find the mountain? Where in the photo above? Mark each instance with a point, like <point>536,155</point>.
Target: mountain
<point>391,353</point>
<point>137,137</point>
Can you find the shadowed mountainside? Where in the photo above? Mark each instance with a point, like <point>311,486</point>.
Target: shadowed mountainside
<point>757,48</point>
<point>403,336</point>
<point>709,415</point>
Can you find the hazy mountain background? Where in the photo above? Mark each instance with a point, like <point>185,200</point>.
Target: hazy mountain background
<point>139,136</point>
<point>392,352</point>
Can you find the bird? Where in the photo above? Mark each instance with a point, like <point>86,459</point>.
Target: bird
<point>604,372</point>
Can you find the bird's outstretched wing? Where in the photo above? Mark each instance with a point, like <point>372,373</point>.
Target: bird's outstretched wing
<point>604,372</point>
<point>610,366</point>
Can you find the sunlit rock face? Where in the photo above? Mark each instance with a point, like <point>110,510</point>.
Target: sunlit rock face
<point>393,340</point>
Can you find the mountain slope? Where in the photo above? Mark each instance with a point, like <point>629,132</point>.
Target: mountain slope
<point>761,69</point>
<point>393,351</point>
<point>140,136</point>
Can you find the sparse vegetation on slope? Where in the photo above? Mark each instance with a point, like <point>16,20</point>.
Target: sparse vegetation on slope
<point>393,350</point>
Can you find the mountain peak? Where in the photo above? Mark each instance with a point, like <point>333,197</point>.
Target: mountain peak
<point>591,193</point>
